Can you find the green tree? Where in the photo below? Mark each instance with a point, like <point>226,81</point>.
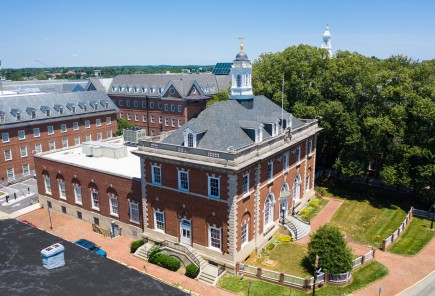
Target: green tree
<point>222,95</point>
<point>329,244</point>
<point>41,75</point>
<point>122,125</point>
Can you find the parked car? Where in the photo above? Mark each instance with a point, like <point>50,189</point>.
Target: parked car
<point>88,245</point>
<point>28,223</point>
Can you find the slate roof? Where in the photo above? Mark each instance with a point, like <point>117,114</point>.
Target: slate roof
<point>224,124</point>
<point>209,83</point>
<point>47,86</point>
<point>40,103</point>
<point>100,84</point>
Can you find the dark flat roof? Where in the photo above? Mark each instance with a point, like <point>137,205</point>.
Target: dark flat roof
<point>84,273</point>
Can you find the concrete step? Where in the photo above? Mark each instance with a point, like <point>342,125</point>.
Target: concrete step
<point>142,251</point>
<point>302,229</point>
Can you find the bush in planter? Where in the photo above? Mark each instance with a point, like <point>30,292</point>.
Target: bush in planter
<point>163,260</point>
<point>135,245</point>
<point>270,246</point>
<point>192,270</point>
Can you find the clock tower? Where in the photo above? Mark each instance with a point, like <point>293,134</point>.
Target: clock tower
<point>241,75</point>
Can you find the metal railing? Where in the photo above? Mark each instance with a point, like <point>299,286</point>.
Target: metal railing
<point>290,225</point>
<point>423,214</point>
<point>182,249</point>
<point>339,278</point>
<point>221,270</point>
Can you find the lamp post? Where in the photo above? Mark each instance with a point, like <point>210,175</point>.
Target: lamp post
<point>283,213</point>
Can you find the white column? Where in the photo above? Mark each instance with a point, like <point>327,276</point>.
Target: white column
<point>232,214</point>
<point>144,193</point>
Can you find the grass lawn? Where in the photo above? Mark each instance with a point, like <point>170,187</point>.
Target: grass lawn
<point>313,208</point>
<point>361,278</point>
<point>415,237</point>
<point>287,257</point>
<point>366,217</point>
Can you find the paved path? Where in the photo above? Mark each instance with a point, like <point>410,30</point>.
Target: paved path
<point>117,249</point>
<point>322,217</point>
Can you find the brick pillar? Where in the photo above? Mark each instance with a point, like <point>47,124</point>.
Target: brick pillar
<point>326,277</point>
<point>374,252</point>
<point>363,258</point>
<point>307,283</point>
<point>384,247</point>
<point>237,267</point>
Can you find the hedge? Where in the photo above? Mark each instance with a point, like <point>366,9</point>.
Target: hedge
<point>135,245</point>
<point>192,270</point>
<point>164,260</point>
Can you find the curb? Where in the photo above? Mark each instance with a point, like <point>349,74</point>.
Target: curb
<point>410,287</point>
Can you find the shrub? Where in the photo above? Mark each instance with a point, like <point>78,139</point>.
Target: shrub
<point>270,246</point>
<point>284,238</point>
<point>192,270</point>
<point>314,203</point>
<point>135,245</point>
<point>305,212</point>
<point>322,191</point>
<point>163,260</point>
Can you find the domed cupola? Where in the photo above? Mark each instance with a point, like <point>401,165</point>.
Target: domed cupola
<point>241,74</point>
<point>326,38</point>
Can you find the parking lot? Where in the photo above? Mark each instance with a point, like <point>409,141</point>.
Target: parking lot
<point>84,273</point>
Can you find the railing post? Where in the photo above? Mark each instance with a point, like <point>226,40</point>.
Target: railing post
<point>384,245</point>
<point>237,267</point>
<point>259,272</point>
<point>307,283</point>
<point>363,258</point>
<point>281,278</point>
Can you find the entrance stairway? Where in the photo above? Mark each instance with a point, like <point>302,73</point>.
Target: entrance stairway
<point>298,229</point>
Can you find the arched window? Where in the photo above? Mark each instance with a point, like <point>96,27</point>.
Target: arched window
<point>268,210</point>
<point>284,187</point>
<point>77,191</point>
<point>297,187</point>
<point>239,80</point>
<point>47,183</point>
<point>190,140</point>
<point>113,201</point>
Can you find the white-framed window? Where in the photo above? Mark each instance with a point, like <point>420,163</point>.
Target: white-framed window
<point>160,119</point>
<point>159,220</point>
<point>173,122</point>
<point>76,140</point>
<point>38,148</point>
<point>63,128</point>
<point>47,183</point>
<point>95,200</point>
<point>109,134</point>
<point>190,142</point>
<point>214,187</point>
<point>144,104</point>
<point>214,237</point>
<point>134,212</point>
<point>144,118</point>
<point>127,103</point>
<point>98,122</point>
<point>156,174</point>
<point>50,130</point>
<point>268,210</point>
<point>108,120</point>
<point>121,103</point>
<point>128,116</point>
<point>64,143</point>
<point>5,137</point>
<point>172,108</point>
<point>99,136</point>
<point>88,137</point>
<point>75,126</point>
<point>239,80</point>
<point>26,170</point>
<point>285,162</point>
<point>78,194</point>
<point>166,121</point>
<point>183,180</point>
<point>21,134</point>
<point>62,189</point>
<point>136,117</point>
<point>180,122</point>
<point>8,154</point>
<point>151,105</point>
<point>298,154</point>
<point>245,184</point>
<point>166,107</point>
<point>36,132</point>
<point>310,146</point>
<point>52,145</point>
<point>152,118</point>
<point>121,114</point>
<point>244,233</point>
<point>179,108</point>
<point>23,151</point>
<point>270,170</point>
<point>113,201</point>
<point>87,124</point>
<point>159,105</point>
<point>10,174</point>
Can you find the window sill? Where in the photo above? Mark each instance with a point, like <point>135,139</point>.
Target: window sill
<point>270,181</point>
<point>159,230</point>
<point>96,209</point>
<point>79,203</point>
<point>214,197</point>
<point>63,198</point>
<point>246,194</point>
<point>215,249</point>
<point>114,215</point>
<point>135,222</point>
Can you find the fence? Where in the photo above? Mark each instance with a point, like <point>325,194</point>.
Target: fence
<point>395,235</point>
<point>423,214</point>
<point>102,231</point>
<point>298,282</point>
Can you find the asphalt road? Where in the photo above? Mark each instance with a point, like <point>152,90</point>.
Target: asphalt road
<point>84,273</point>
<point>24,199</point>
<point>426,287</point>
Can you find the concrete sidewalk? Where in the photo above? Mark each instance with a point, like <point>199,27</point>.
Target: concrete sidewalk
<point>117,249</point>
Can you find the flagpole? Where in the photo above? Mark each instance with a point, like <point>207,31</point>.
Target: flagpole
<point>282,102</point>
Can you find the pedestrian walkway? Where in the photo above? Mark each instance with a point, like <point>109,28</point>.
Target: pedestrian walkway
<point>323,217</point>
<point>117,248</point>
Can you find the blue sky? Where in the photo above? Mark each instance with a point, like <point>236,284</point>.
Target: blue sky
<point>101,33</point>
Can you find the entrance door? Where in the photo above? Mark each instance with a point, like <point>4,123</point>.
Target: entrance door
<point>186,232</point>
<point>115,230</point>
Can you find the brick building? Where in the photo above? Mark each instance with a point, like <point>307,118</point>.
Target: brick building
<point>164,102</point>
<point>219,184</point>
<point>34,123</point>
<point>98,182</point>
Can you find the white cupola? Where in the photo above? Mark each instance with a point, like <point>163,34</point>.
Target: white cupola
<point>241,74</point>
<point>327,41</point>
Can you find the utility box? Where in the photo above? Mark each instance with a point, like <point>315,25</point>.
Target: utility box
<point>53,256</point>
<point>134,135</point>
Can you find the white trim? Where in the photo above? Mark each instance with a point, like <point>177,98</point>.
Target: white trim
<point>111,198</point>
<point>153,177</point>
<point>92,200</point>
<point>270,197</point>
<point>60,181</point>
<point>246,174</point>
<point>180,172</point>
<point>75,194</point>
<point>210,227</point>
<point>157,211</point>
<point>130,203</point>
<point>218,178</point>
<point>243,243</point>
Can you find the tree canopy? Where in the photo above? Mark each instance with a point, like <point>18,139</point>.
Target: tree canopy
<point>329,244</point>
<point>378,115</point>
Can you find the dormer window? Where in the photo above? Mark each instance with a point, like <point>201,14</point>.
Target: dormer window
<point>47,112</point>
<point>190,138</point>
<point>113,88</point>
<point>151,89</point>
<point>144,89</point>
<point>96,106</point>
<point>107,105</point>
<point>160,89</point>
<point>60,110</point>
<point>18,116</point>
<point>120,88</point>
<point>2,118</point>
<point>127,88</point>
<point>33,114</point>
<point>73,109</point>
<point>85,107</point>
<point>136,89</point>
<point>258,135</point>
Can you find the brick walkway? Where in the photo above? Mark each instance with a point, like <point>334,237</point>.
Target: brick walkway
<point>322,217</point>
<point>117,249</point>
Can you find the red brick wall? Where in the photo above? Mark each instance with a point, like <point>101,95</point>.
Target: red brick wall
<point>124,187</point>
<point>30,141</point>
